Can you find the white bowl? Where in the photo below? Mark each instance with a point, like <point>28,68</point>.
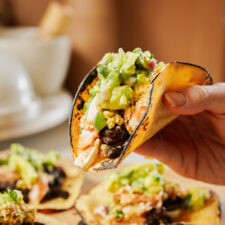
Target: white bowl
<point>18,102</point>
<point>46,61</point>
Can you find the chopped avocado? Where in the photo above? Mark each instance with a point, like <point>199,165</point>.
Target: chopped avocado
<point>121,97</point>
<point>117,71</point>
<point>142,178</point>
<point>196,198</point>
<point>106,89</point>
<point>153,183</point>
<point>119,214</point>
<point>50,158</point>
<point>129,60</point>
<point>120,62</point>
<point>24,168</point>
<point>113,182</point>
<point>3,162</point>
<point>143,59</point>
<point>35,158</point>
<point>99,121</point>
<point>102,70</point>
<point>142,78</point>
<point>11,196</point>
<point>95,89</point>
<point>138,185</point>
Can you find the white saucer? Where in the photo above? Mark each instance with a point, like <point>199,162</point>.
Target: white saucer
<point>55,110</point>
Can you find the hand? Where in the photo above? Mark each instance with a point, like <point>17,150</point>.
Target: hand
<point>193,144</point>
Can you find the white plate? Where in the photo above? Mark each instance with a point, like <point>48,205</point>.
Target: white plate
<point>55,110</point>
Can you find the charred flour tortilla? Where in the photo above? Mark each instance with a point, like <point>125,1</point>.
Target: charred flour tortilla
<point>139,195</point>
<point>50,184</point>
<point>119,105</point>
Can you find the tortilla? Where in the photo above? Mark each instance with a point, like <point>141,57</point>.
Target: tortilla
<point>209,215</point>
<point>72,184</point>
<point>47,220</point>
<point>175,76</point>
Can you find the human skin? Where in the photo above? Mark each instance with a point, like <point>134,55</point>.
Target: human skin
<point>194,144</point>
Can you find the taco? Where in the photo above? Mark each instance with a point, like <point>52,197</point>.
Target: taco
<point>44,181</point>
<point>119,105</point>
<point>140,195</point>
<point>14,211</point>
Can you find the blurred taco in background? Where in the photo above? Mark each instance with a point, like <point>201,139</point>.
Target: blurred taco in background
<point>140,195</point>
<point>14,211</point>
<point>44,182</point>
<point>119,105</point>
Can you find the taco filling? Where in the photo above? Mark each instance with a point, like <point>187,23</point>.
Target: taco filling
<point>33,173</point>
<point>13,210</point>
<point>140,195</point>
<point>116,104</point>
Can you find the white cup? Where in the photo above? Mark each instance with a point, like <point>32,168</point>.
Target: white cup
<point>46,61</point>
<point>18,102</point>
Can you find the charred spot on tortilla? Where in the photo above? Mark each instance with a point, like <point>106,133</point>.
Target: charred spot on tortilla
<point>122,95</point>
<point>81,105</point>
<point>82,223</point>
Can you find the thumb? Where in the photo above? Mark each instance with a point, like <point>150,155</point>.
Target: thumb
<point>196,99</point>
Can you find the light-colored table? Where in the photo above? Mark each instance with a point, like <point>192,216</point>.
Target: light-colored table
<point>56,138</point>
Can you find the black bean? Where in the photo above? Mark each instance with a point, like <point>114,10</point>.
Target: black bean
<point>109,140</point>
<point>173,204</point>
<point>114,135</point>
<point>114,152</point>
<point>157,217</point>
<point>55,185</point>
<point>64,194</point>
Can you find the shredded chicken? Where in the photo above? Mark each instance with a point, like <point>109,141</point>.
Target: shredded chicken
<point>127,199</point>
<point>40,188</point>
<point>8,176</point>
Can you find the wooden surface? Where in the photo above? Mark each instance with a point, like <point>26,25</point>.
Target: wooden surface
<point>191,31</point>
<point>71,217</point>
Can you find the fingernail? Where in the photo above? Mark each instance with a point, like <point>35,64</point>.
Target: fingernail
<point>175,99</point>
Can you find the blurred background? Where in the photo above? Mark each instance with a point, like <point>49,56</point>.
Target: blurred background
<point>78,34</point>
<point>192,31</point>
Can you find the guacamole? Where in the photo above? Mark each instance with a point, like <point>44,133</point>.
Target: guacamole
<point>147,179</point>
<point>196,197</point>
<point>143,178</point>
<point>28,162</point>
<point>119,73</point>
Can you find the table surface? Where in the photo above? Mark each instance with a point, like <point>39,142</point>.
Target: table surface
<point>57,138</point>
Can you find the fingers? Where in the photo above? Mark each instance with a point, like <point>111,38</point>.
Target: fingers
<point>197,99</point>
